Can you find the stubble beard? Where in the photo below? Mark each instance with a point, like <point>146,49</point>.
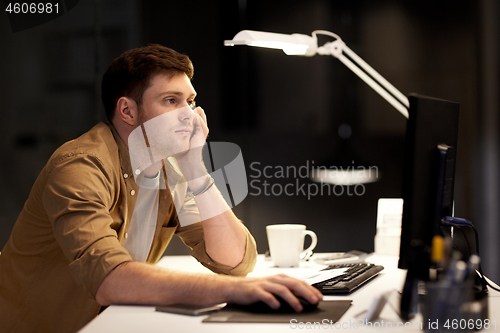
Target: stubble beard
<point>171,145</point>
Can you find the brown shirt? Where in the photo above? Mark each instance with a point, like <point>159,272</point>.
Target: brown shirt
<point>70,235</point>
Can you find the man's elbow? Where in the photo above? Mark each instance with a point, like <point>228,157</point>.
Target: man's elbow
<point>101,296</point>
<point>246,266</point>
<point>107,292</point>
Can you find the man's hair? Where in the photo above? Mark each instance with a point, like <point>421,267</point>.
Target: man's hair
<point>129,74</point>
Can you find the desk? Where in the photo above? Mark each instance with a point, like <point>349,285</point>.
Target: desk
<point>118,318</point>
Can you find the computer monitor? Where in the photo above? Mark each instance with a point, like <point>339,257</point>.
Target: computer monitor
<point>428,181</point>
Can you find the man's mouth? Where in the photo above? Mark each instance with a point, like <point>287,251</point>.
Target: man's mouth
<point>184,131</point>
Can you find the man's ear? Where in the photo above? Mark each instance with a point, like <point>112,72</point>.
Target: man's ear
<point>127,111</point>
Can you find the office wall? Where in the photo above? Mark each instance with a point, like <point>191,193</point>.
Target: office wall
<point>284,112</point>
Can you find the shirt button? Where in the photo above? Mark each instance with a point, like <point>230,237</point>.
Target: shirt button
<point>137,172</point>
<point>125,175</point>
<point>132,192</point>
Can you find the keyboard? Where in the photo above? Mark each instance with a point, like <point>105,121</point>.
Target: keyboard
<point>355,276</point>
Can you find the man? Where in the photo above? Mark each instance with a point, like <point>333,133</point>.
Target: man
<point>98,216</point>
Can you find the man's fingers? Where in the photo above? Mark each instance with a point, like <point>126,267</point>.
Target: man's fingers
<point>299,288</point>
<point>200,124</point>
<point>279,290</point>
<point>289,289</point>
<point>199,112</point>
<point>202,114</point>
<point>268,289</point>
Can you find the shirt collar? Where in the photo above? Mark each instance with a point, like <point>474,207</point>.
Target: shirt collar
<point>122,152</point>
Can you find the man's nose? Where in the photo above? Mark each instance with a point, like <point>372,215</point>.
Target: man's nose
<point>186,113</point>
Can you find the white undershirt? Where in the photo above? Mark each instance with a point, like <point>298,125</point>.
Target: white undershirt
<point>143,223</point>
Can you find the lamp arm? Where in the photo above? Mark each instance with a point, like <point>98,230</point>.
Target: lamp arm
<point>386,84</point>
<point>374,85</point>
<point>360,68</point>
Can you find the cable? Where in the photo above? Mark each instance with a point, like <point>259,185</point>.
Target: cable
<point>463,234</point>
<point>459,222</point>
<point>490,283</point>
<point>326,33</point>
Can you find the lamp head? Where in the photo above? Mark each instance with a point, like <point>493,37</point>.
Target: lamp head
<point>294,44</point>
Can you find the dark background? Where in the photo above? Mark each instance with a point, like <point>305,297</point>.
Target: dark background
<point>282,111</point>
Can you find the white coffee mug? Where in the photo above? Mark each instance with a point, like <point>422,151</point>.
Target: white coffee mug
<point>286,243</point>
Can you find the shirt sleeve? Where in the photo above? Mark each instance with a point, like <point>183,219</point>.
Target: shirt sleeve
<point>193,236</point>
<point>77,198</point>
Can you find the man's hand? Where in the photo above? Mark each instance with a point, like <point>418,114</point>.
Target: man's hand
<point>191,162</point>
<point>200,128</point>
<point>250,290</point>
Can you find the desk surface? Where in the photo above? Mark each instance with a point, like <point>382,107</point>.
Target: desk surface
<point>117,318</point>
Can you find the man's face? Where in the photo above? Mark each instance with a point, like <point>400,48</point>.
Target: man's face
<point>167,101</point>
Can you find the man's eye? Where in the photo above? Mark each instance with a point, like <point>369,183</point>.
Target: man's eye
<point>192,105</point>
<point>170,101</point>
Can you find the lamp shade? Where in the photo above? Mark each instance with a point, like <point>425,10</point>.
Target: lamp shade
<point>294,44</point>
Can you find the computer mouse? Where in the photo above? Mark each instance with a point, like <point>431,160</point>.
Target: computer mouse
<point>261,307</point>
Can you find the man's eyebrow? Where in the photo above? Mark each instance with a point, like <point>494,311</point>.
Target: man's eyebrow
<point>176,93</point>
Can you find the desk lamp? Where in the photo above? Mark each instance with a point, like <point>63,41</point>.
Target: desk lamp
<point>304,45</point>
